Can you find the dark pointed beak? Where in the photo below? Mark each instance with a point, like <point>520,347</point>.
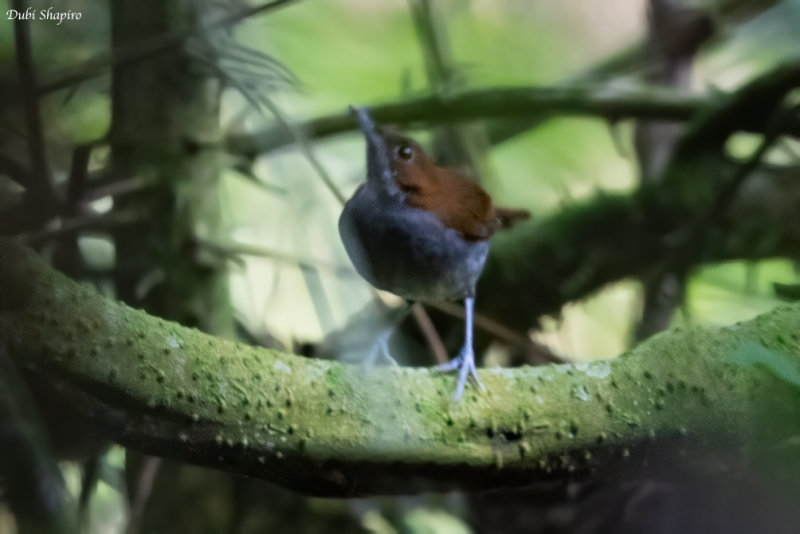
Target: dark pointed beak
<point>368,127</point>
<point>378,166</point>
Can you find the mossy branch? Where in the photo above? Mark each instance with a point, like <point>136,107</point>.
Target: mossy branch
<point>330,429</point>
<point>578,250</point>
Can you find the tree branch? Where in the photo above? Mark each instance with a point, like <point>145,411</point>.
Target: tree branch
<point>513,102</point>
<point>328,429</point>
<point>751,107</point>
<point>517,102</point>
<point>579,250</point>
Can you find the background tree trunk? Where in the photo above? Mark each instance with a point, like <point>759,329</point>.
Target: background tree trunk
<point>165,131</point>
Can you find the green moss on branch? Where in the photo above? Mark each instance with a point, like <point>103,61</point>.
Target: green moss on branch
<point>326,428</point>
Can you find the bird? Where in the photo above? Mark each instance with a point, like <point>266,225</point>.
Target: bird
<point>420,231</point>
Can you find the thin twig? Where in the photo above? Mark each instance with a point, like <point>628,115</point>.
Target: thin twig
<point>297,135</point>
<point>429,333</point>
<point>233,248</point>
<point>117,188</point>
<point>80,223</point>
<point>501,332</point>
<point>145,481</point>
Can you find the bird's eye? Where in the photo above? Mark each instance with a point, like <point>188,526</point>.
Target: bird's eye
<point>405,152</point>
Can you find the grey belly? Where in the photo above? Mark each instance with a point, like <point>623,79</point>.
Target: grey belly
<point>410,253</point>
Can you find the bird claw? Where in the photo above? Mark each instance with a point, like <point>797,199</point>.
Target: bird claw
<point>465,363</point>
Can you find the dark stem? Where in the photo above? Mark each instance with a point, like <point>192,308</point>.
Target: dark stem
<point>40,195</point>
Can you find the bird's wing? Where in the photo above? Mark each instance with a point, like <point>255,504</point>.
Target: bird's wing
<point>465,207</point>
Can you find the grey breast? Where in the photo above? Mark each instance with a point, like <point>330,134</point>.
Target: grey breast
<point>408,251</point>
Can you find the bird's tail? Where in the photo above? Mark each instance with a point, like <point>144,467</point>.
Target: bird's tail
<point>509,217</point>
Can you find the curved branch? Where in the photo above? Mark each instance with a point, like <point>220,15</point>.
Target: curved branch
<point>750,107</point>
<point>328,429</point>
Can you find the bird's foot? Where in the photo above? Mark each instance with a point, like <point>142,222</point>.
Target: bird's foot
<point>379,349</point>
<point>465,363</point>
